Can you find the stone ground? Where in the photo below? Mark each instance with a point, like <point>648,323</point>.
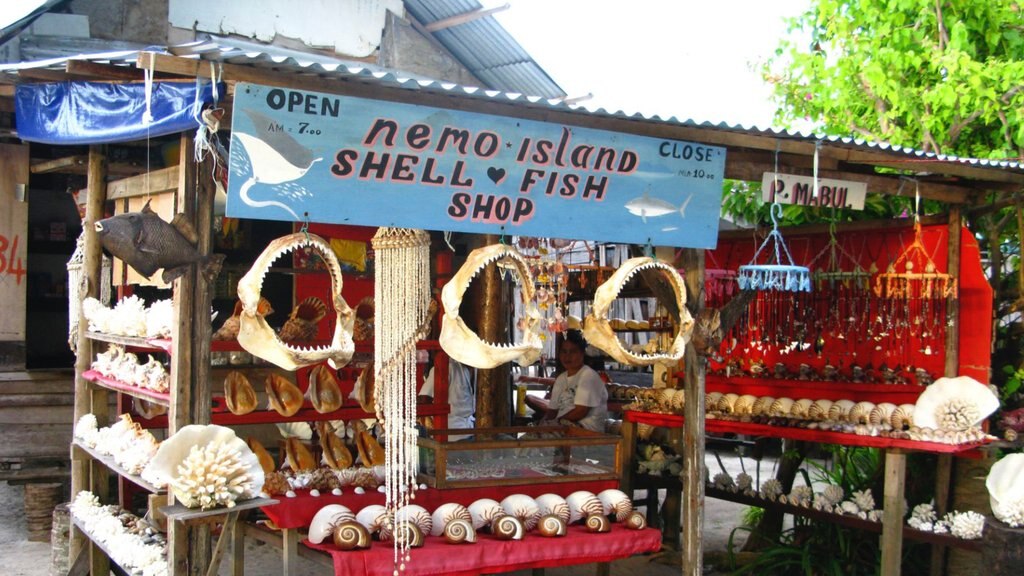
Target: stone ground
<point>19,557</point>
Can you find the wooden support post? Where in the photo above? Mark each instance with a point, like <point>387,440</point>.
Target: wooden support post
<point>693,426</point>
<point>81,477</point>
<point>494,388</point>
<point>290,552</point>
<point>892,512</point>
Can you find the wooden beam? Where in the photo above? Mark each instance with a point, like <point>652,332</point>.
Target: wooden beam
<point>841,227</point>
<point>693,425</point>
<point>464,18</point>
<point>44,74</point>
<point>892,512</point>
<point>161,181</point>
<point>92,70</point>
<point>922,164</point>
<point>79,164</point>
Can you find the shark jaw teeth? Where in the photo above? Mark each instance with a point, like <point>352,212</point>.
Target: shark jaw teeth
<point>597,328</point>
<point>259,339</point>
<point>466,346</point>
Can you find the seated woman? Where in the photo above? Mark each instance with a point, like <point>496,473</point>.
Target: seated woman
<point>579,395</point>
<point>461,396</point>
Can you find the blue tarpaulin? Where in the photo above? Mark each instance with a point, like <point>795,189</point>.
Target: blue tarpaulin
<point>98,113</point>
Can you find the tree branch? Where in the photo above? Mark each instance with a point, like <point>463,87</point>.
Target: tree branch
<point>880,106</point>
<point>943,36</point>
<point>954,131</point>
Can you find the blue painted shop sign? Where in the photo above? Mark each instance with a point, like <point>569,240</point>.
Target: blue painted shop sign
<point>298,155</point>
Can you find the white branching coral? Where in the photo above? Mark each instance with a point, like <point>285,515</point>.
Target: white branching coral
<point>723,481</point>
<point>771,489</point>
<point>864,500</point>
<point>212,476</point>
<point>801,496</point>
<point>87,430</point>
<point>744,482</point>
<point>967,525</point>
<point>130,317</point>
<point>1005,485</point>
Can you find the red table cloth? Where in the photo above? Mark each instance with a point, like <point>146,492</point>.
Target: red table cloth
<point>298,512</point>
<point>490,555</point>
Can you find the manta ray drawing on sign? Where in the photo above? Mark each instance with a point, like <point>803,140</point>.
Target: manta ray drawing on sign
<point>276,158</point>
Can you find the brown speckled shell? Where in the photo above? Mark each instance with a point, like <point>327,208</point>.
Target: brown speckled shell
<point>238,393</point>
<point>284,396</point>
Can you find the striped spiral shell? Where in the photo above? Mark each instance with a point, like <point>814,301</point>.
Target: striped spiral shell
<point>351,535</point>
<point>598,523</point>
<point>860,412</point>
<point>636,521</point>
<point>679,400</point>
<point>582,504</point>
<point>551,525</point>
<point>615,502</point>
<point>459,531</point>
<point>902,417</point>
<point>664,397</point>
<point>484,511</point>
<point>727,403</point>
<point>881,414</point>
<point>523,507</point>
<point>372,517</point>
<point>801,408</point>
<point>762,406</point>
<point>445,513</point>
<point>819,410</point>
<point>744,404</point>
<point>507,528</point>
<point>553,504</point>
<point>781,407</point>
<point>711,401</point>
<point>324,521</point>
<point>840,409</point>
<point>417,515</point>
<point>409,535</point>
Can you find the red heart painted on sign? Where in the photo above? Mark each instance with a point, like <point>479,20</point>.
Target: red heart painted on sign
<point>496,174</point>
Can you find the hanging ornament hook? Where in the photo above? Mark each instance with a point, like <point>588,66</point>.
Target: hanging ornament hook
<point>305,225</point>
<point>817,146</point>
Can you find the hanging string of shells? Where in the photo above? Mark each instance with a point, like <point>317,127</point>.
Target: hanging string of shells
<point>402,297</point>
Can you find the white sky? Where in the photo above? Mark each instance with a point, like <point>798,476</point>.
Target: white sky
<point>14,10</point>
<point>693,60</point>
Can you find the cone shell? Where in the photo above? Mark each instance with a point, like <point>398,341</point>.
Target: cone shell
<point>238,393</point>
<point>265,459</point>
<point>744,404</point>
<point>459,531</point>
<point>615,502</point>
<point>370,451</point>
<point>553,504</point>
<point>522,507</point>
<point>840,410</point>
<point>551,526</point>
<point>819,410</point>
<point>763,406</point>
<point>508,528</point>
<point>727,403</point>
<point>484,511</point>
<point>635,521</point>
<point>801,408</point>
<point>598,523</point>
<point>902,417</point>
<point>298,455</point>
<point>284,396</point>
<point>860,412</point>
<point>324,521</point>
<point>324,392</point>
<point>781,407</point>
<point>351,535</point>
<point>336,455</point>
<point>881,414</point>
<point>444,514</point>
<point>373,517</point>
<point>582,504</point>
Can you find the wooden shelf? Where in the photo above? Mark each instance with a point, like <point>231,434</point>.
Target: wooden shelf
<point>909,533</point>
<point>109,462</point>
<point>306,414</point>
<point>179,513</point>
<point>103,547</point>
<point>152,344</point>
<point>814,389</point>
<point>161,398</point>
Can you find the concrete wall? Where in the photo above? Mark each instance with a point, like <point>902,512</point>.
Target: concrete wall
<point>143,21</point>
<point>404,48</point>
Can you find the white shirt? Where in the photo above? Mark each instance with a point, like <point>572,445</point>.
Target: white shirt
<point>461,397</point>
<point>584,388</point>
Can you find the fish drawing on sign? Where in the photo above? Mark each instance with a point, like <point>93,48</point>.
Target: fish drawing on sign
<point>276,158</point>
<point>645,206</point>
<point>147,243</point>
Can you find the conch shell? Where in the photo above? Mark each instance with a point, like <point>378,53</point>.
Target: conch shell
<point>298,455</point>
<point>598,523</point>
<point>508,528</point>
<point>959,403</point>
<point>598,330</point>
<point>238,393</point>
<point>265,460</point>
<point>370,451</point>
<point>335,453</point>
<point>1005,485</point>
<point>259,339</point>
<point>464,345</point>
<point>324,391</point>
<point>283,395</point>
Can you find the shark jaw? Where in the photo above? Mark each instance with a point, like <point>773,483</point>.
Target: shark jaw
<point>464,345</point>
<point>598,331</point>
<point>259,339</point>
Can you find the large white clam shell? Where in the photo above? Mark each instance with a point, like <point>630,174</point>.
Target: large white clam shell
<point>523,507</point>
<point>445,513</point>
<point>553,504</point>
<point>484,511</point>
<point>172,452</point>
<point>945,391</point>
<point>582,504</point>
<point>324,521</point>
<point>615,502</point>
<point>1005,485</point>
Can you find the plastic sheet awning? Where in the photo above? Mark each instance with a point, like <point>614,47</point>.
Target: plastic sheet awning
<point>99,112</point>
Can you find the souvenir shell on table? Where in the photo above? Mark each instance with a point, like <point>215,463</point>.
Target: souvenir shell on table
<point>284,396</point>
<point>238,393</point>
<point>298,455</point>
<point>335,454</point>
<point>840,410</point>
<point>744,404</point>
<point>228,470</point>
<point>801,408</point>
<point>371,453</point>
<point>860,412</point>
<point>459,531</point>
<point>409,535</point>
<point>670,291</point>
<point>324,521</point>
<point>819,410</point>
<point>324,392</point>
<point>1005,484</point>
<point>507,527</point>
<point>881,414</point>
<point>959,403</point>
<point>351,535</point>
<point>553,504</point>
<point>728,402</point>
<point>635,521</point>
<point>711,401</point>
<point>763,406</point>
<point>598,523</point>
<point>522,507</point>
<point>265,460</point>
<point>781,407</point>
<point>257,337</point>
<point>615,502</point>
<point>415,514</point>
<point>551,525</point>
<point>373,517</point>
<point>582,504</point>
<point>444,514</point>
<point>484,511</point>
<point>679,400</point>
<point>902,417</point>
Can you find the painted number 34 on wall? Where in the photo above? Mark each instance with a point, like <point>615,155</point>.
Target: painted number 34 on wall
<point>10,262</point>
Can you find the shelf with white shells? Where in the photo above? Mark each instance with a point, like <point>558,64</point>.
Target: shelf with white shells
<point>116,468</point>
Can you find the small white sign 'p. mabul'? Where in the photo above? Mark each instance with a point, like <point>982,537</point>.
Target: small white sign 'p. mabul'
<point>799,190</point>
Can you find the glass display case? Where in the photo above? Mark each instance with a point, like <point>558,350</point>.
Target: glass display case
<point>517,455</point>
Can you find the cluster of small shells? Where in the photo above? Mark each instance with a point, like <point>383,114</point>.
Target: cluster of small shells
<point>130,317</point>
<point>131,446</point>
<point>510,519</point>
<point>831,499</point>
<point>967,525</point>
<point>324,480</point>
<point>125,368</point>
<point>657,400</point>
<point>130,540</point>
<point>861,418</point>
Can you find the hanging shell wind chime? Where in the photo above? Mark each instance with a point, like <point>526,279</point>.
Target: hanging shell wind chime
<point>778,274</point>
<point>402,296</point>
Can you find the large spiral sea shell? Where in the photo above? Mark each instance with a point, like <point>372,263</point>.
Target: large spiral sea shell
<point>326,519</point>
<point>417,515</point>
<point>582,504</point>
<point>819,410</point>
<point>598,523</point>
<point>459,531</point>
<point>551,525</point>
<point>484,511</point>
<point>615,502</point>
<point>902,417</point>
<point>410,535</point>
<point>373,517</point>
<point>553,504</point>
<point>801,408</point>
<point>351,535</point>
<point>508,528</point>
<point>727,403</point>
<point>881,415</point>
<point>762,406</point>
<point>523,507</point>
<point>445,513</point>
<point>860,412</point>
<point>744,404</point>
<point>840,410</point>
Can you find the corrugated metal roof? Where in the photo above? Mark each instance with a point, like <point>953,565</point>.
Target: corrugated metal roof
<point>300,63</point>
<point>486,48</point>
